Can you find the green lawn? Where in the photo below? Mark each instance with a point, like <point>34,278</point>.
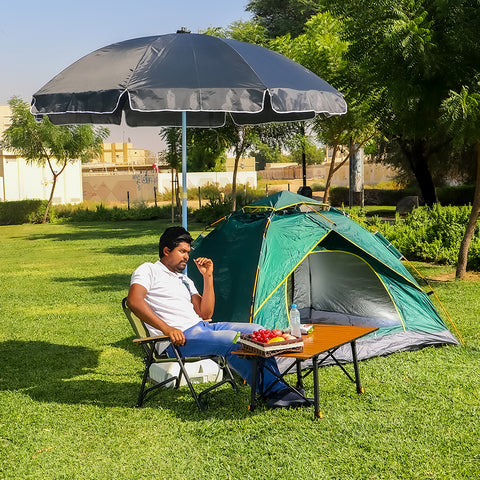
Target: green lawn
<point>69,375</point>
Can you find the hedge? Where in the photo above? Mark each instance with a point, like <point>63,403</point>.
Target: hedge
<point>23,211</point>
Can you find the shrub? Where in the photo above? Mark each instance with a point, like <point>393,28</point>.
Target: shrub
<point>433,234</point>
<point>101,213</point>
<point>218,208</point>
<point>460,195</point>
<point>24,211</point>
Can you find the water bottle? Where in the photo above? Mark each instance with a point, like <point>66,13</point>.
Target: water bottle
<point>295,321</point>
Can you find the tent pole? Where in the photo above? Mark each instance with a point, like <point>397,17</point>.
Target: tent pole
<point>184,170</point>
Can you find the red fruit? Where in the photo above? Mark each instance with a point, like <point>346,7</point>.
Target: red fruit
<point>277,332</point>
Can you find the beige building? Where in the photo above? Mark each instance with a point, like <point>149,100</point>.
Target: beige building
<point>124,154</point>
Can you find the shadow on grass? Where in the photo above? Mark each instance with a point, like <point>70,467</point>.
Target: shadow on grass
<point>105,283</point>
<point>47,372</point>
<point>106,230</point>
<point>54,373</point>
<point>130,250</point>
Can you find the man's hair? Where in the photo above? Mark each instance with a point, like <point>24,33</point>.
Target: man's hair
<point>172,237</point>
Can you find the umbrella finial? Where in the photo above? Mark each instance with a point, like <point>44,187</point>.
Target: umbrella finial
<point>183,30</point>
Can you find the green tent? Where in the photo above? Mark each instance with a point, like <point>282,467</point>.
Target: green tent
<point>287,249</point>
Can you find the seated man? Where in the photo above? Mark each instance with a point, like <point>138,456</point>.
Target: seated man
<point>169,304</point>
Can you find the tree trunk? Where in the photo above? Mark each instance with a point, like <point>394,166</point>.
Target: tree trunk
<point>50,200</point>
<point>472,223</point>
<point>415,154</point>
<point>331,171</point>
<point>234,182</point>
<point>238,153</point>
<point>177,193</point>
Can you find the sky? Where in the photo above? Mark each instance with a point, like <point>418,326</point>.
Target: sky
<point>39,38</point>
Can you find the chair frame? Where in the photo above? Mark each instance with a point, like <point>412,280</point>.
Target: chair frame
<point>151,356</point>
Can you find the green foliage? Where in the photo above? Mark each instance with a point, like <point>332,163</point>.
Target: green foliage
<point>433,234</point>
<point>280,17</point>
<point>101,213</point>
<point>23,211</point>
<point>219,207</point>
<point>43,142</point>
<point>213,211</point>
<point>372,196</point>
<point>458,195</point>
<point>313,154</point>
<point>242,30</point>
<point>461,114</point>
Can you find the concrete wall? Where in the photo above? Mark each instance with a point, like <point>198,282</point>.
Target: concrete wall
<point>114,187</point>
<point>140,187</point>
<point>20,181</point>
<point>198,179</point>
<point>373,173</point>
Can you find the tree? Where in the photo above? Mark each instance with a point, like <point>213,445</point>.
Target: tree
<point>461,112</point>
<point>43,143</point>
<point>313,154</point>
<point>411,53</point>
<point>173,156</point>
<point>323,50</point>
<point>352,130</point>
<point>281,17</point>
<point>206,149</point>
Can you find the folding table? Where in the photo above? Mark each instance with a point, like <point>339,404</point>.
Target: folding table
<point>325,339</point>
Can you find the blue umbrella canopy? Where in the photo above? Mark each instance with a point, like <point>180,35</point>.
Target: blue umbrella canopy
<point>154,79</point>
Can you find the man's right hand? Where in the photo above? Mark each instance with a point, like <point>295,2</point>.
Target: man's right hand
<point>176,336</point>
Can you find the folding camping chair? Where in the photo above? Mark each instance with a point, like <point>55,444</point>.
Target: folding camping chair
<point>154,349</point>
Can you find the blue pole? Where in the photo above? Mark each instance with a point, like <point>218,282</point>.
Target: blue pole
<point>184,170</point>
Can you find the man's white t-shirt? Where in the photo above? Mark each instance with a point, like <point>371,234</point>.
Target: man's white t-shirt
<point>168,294</point>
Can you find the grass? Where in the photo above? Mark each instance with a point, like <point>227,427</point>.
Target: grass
<point>70,374</point>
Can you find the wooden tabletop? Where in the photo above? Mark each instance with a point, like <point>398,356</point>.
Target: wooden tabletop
<point>322,339</point>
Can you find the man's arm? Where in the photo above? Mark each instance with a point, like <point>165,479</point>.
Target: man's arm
<point>138,305</point>
<point>204,304</point>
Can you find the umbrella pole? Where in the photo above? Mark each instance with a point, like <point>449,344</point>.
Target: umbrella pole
<point>184,170</point>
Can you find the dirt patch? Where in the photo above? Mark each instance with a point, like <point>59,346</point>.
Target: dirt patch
<point>450,276</point>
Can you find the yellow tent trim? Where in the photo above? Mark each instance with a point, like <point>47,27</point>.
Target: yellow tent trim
<point>266,207</point>
<point>438,300</point>
<point>283,281</point>
<point>256,275</point>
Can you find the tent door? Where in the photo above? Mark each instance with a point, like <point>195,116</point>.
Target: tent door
<point>342,288</point>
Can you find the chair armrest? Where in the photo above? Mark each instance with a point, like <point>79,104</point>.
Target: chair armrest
<point>151,339</point>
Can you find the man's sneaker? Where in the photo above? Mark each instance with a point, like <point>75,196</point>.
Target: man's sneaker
<point>287,398</point>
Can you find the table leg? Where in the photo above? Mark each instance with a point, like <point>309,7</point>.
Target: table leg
<point>299,374</point>
<point>355,367</point>
<point>253,386</point>
<point>316,412</point>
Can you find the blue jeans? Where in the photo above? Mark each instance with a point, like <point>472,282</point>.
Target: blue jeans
<point>206,338</point>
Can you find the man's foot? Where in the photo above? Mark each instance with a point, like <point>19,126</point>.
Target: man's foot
<point>287,398</point>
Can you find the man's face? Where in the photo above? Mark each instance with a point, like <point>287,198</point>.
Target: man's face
<point>176,260</point>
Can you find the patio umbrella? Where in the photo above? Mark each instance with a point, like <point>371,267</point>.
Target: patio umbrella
<point>187,80</point>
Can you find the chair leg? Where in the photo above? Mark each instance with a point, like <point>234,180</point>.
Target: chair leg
<point>183,371</point>
<point>222,362</point>
<point>148,361</point>
<point>144,392</point>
